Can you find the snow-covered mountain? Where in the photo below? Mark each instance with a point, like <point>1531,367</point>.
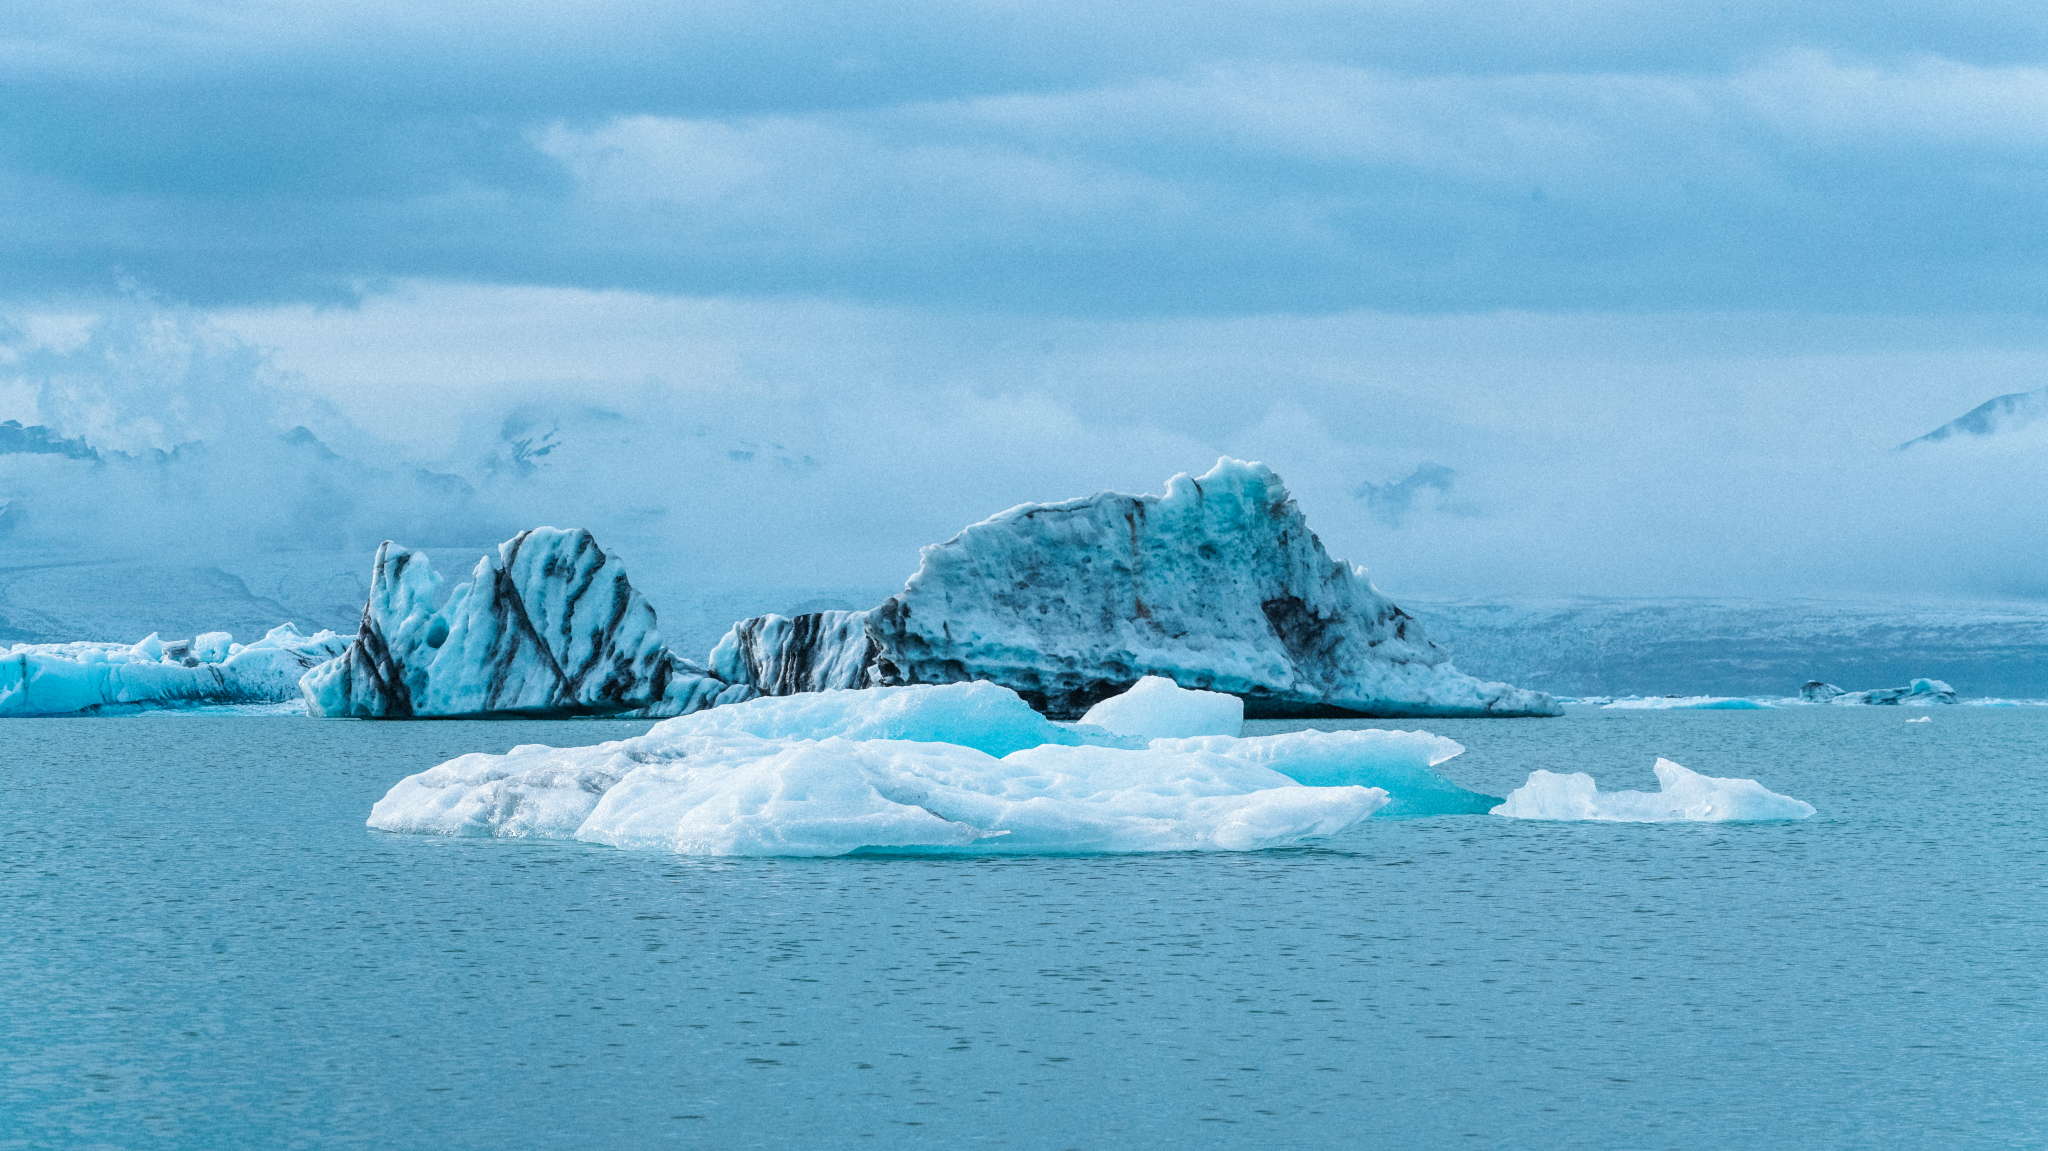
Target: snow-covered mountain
<point>2004,417</point>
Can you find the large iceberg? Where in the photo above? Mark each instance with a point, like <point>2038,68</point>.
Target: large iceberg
<point>1685,796</point>
<point>1218,585</point>
<point>548,626</point>
<point>1919,693</point>
<point>966,767</point>
<point>97,678</point>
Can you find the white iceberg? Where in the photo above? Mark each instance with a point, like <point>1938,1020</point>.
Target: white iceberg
<point>956,768</point>
<point>1686,796</point>
<point>1686,703</point>
<point>1218,585</point>
<point>1156,707</point>
<point>549,626</point>
<point>98,678</point>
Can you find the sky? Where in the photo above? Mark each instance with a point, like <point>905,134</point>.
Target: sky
<point>1529,299</point>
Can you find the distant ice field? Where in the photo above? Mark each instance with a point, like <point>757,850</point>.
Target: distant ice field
<point>207,948</point>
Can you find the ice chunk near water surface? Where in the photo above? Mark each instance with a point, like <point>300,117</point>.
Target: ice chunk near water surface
<point>1686,796</point>
<point>966,767</point>
<point>1156,707</point>
<point>96,678</point>
<point>1218,585</point>
<point>549,626</point>
<point>1686,703</point>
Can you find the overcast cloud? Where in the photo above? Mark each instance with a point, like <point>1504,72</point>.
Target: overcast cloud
<point>779,292</point>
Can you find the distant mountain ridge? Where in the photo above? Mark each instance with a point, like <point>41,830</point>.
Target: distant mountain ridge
<point>1742,647</point>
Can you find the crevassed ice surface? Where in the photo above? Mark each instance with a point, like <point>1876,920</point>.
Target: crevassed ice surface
<point>63,678</point>
<point>1684,796</point>
<point>954,768</point>
<point>1156,707</point>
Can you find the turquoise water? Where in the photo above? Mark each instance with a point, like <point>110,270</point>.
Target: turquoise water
<point>205,947</point>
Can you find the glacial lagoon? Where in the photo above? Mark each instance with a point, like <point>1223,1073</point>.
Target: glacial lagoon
<point>207,948</point>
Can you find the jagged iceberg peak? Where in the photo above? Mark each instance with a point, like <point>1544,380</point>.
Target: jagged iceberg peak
<point>1218,585</point>
<point>1816,691</point>
<point>549,625</point>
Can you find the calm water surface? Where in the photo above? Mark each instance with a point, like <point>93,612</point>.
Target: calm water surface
<point>204,947</point>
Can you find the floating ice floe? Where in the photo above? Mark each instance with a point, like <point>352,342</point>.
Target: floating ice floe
<point>1217,585</point>
<point>549,626</point>
<point>957,768</point>
<point>1921,719</point>
<point>1685,703</point>
<point>1687,796</point>
<point>87,678</point>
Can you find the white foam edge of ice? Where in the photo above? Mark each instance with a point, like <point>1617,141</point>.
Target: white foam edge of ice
<point>1685,796</point>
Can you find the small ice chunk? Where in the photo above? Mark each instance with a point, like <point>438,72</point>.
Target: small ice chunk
<point>1921,719</point>
<point>1686,796</point>
<point>1158,708</point>
<point>212,646</point>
